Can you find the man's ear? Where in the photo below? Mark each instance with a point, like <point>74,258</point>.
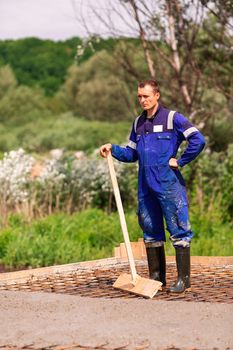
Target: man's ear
<point>157,94</point>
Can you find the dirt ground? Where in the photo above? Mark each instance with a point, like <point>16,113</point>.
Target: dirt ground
<point>47,319</point>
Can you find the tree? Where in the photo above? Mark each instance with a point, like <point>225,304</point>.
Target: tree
<point>169,33</point>
<point>7,80</point>
<point>37,62</point>
<point>44,63</point>
<point>21,105</point>
<point>94,90</point>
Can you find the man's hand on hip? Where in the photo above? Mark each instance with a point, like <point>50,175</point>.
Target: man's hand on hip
<point>173,163</point>
<point>105,149</point>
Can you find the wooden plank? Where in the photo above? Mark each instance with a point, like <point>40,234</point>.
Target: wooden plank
<point>137,249</point>
<point>143,248</point>
<point>51,270</point>
<point>226,261</point>
<point>212,260</point>
<point>117,252</point>
<point>139,253</point>
<point>143,286</point>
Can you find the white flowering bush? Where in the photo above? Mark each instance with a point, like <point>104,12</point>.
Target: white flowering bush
<point>15,169</point>
<point>50,183</point>
<point>91,180</point>
<point>52,176</point>
<point>62,184</point>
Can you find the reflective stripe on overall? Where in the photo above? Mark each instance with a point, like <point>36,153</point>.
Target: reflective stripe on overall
<point>161,189</point>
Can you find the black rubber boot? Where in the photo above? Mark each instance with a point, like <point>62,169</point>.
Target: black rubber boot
<point>183,270</point>
<point>156,263</point>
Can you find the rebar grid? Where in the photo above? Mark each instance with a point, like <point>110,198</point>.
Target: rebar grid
<point>83,347</point>
<point>209,283</point>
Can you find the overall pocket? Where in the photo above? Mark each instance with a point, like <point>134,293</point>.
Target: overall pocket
<point>164,143</point>
<point>167,175</point>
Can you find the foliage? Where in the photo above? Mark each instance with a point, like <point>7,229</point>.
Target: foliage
<point>60,238</point>
<point>226,183</point>
<point>219,126</point>
<point>70,183</point>
<point>106,99</point>
<point>44,63</point>
<point>39,62</point>
<point>214,46</point>
<point>94,90</point>
<point>102,86</point>
<point>213,183</point>
<point>67,184</point>
<point>15,169</point>
<point>66,132</point>
<point>88,235</point>
<point>7,80</point>
<point>22,104</point>
<point>177,38</point>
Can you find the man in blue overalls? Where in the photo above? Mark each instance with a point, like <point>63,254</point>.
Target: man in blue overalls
<point>154,141</point>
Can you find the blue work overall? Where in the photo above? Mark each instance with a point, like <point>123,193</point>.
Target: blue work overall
<point>161,189</point>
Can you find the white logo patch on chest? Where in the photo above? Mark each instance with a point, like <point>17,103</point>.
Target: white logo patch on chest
<point>158,128</point>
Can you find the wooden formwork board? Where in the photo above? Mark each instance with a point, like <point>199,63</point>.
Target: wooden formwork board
<point>58,269</point>
<point>139,253</point>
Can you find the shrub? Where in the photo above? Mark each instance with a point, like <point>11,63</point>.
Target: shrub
<point>92,234</point>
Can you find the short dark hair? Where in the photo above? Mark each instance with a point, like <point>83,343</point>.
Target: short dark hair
<point>150,82</point>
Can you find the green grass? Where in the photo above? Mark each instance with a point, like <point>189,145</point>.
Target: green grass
<point>60,238</point>
<point>89,235</point>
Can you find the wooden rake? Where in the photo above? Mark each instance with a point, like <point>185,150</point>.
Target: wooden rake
<point>132,283</point>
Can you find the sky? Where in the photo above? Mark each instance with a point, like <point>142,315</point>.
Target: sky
<point>46,19</point>
<point>50,19</point>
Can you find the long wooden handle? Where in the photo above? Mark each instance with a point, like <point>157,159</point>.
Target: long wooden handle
<point>121,216</point>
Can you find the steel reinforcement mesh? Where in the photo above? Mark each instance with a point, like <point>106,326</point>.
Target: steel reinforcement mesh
<point>82,347</point>
<point>209,283</point>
